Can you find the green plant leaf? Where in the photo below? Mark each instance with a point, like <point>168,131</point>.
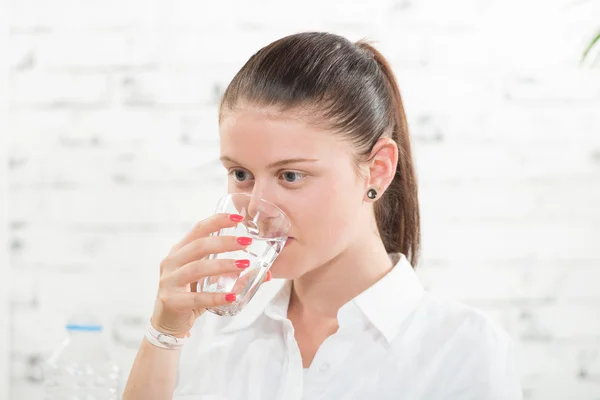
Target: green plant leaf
<point>590,46</point>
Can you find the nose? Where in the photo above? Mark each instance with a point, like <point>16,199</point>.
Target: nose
<point>253,206</point>
<point>261,207</point>
<point>260,190</point>
<point>266,218</point>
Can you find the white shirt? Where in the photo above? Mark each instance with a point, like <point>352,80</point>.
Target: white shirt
<point>395,341</point>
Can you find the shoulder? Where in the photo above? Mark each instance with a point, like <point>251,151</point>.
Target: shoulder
<point>460,337</point>
<point>455,319</point>
<point>471,354</point>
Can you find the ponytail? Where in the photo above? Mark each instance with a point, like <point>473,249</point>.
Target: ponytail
<point>397,211</point>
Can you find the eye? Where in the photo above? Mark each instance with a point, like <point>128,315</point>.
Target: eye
<point>240,175</point>
<point>292,176</point>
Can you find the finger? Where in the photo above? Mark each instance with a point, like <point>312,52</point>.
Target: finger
<point>188,300</point>
<point>206,227</point>
<point>198,269</point>
<point>244,280</point>
<point>250,276</point>
<point>200,248</point>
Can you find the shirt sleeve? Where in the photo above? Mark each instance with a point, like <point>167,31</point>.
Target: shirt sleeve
<point>480,365</point>
<point>491,377</point>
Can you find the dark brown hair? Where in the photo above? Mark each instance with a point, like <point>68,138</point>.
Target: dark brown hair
<point>349,87</point>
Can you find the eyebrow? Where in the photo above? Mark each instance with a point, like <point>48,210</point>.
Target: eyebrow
<point>275,164</point>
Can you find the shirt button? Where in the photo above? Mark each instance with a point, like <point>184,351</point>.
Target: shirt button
<point>324,368</point>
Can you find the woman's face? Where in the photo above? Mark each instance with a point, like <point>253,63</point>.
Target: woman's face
<point>309,173</point>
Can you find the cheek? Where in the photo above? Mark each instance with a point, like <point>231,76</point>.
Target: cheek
<point>324,220</point>
<point>326,212</point>
<point>340,211</point>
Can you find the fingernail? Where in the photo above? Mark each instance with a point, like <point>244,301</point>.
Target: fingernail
<point>236,217</point>
<point>230,297</point>
<point>244,241</point>
<point>268,276</point>
<point>242,263</point>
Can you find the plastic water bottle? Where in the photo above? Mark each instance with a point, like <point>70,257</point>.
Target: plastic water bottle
<point>81,368</point>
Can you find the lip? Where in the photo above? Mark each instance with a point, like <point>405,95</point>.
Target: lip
<point>289,240</point>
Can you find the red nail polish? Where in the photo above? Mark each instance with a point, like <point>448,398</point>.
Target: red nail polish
<point>242,263</point>
<point>244,241</point>
<point>236,217</point>
<point>268,276</point>
<point>230,297</point>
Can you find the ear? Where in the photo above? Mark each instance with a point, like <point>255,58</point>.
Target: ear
<point>382,165</point>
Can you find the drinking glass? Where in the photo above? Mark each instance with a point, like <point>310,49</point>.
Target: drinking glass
<point>268,226</point>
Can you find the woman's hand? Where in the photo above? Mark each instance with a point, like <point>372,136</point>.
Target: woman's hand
<point>178,304</point>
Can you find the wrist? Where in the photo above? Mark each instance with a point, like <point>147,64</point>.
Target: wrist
<point>165,328</point>
<point>165,340</point>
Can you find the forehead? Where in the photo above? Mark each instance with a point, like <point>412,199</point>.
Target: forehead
<point>256,133</point>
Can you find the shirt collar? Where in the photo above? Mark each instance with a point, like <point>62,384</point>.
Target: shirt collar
<point>385,304</point>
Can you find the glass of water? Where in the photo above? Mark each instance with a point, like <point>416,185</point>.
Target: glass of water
<point>268,227</point>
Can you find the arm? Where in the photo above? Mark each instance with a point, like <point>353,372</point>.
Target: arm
<point>154,372</point>
<point>153,375</point>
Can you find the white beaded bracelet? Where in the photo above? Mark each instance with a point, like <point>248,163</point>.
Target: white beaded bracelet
<point>164,340</point>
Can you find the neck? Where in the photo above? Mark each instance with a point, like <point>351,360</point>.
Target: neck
<point>321,292</point>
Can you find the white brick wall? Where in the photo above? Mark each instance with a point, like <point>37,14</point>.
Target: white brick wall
<point>112,156</point>
<point>4,267</point>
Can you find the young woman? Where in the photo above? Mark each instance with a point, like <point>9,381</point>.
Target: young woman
<point>315,124</point>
